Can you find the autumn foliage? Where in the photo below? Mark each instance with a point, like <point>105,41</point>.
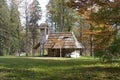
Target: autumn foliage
<point>103,17</point>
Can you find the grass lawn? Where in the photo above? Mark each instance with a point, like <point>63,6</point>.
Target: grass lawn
<point>84,68</point>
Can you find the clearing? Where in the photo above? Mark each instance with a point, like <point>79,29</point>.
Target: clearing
<point>84,68</point>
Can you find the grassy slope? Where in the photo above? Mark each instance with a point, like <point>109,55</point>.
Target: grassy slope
<point>57,69</point>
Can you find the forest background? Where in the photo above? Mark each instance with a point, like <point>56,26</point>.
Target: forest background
<point>97,23</point>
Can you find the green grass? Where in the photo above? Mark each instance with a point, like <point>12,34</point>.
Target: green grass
<point>84,68</point>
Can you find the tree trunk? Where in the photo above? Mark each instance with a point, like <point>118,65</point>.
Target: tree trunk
<point>26,30</point>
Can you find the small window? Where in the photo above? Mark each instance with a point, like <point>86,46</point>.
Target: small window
<point>65,37</point>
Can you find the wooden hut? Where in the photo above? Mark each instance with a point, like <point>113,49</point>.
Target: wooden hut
<point>61,43</point>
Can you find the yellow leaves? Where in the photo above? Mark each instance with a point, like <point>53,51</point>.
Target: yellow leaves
<point>102,35</point>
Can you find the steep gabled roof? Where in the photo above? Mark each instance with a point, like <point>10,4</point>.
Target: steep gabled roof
<point>61,40</point>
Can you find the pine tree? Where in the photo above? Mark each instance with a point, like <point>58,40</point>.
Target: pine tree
<point>35,15</point>
<point>15,27</point>
<point>4,27</point>
<point>9,22</point>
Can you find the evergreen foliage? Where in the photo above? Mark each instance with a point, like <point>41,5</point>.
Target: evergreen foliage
<point>61,16</point>
<point>9,28</point>
<point>35,16</point>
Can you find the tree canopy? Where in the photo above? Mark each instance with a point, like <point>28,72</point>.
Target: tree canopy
<point>104,18</point>
<point>9,27</point>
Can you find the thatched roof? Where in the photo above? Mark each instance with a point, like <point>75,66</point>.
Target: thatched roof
<point>61,40</point>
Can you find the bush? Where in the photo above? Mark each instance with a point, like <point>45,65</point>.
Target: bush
<point>104,55</point>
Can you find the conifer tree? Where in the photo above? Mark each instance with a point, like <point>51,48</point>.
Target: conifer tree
<point>9,22</point>
<point>4,27</point>
<point>35,16</point>
<point>15,24</point>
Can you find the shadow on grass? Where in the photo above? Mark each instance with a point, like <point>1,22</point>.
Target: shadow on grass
<point>47,69</point>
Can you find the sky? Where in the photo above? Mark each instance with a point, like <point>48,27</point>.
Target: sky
<point>43,4</point>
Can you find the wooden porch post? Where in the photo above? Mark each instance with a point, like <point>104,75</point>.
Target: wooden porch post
<point>60,52</point>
